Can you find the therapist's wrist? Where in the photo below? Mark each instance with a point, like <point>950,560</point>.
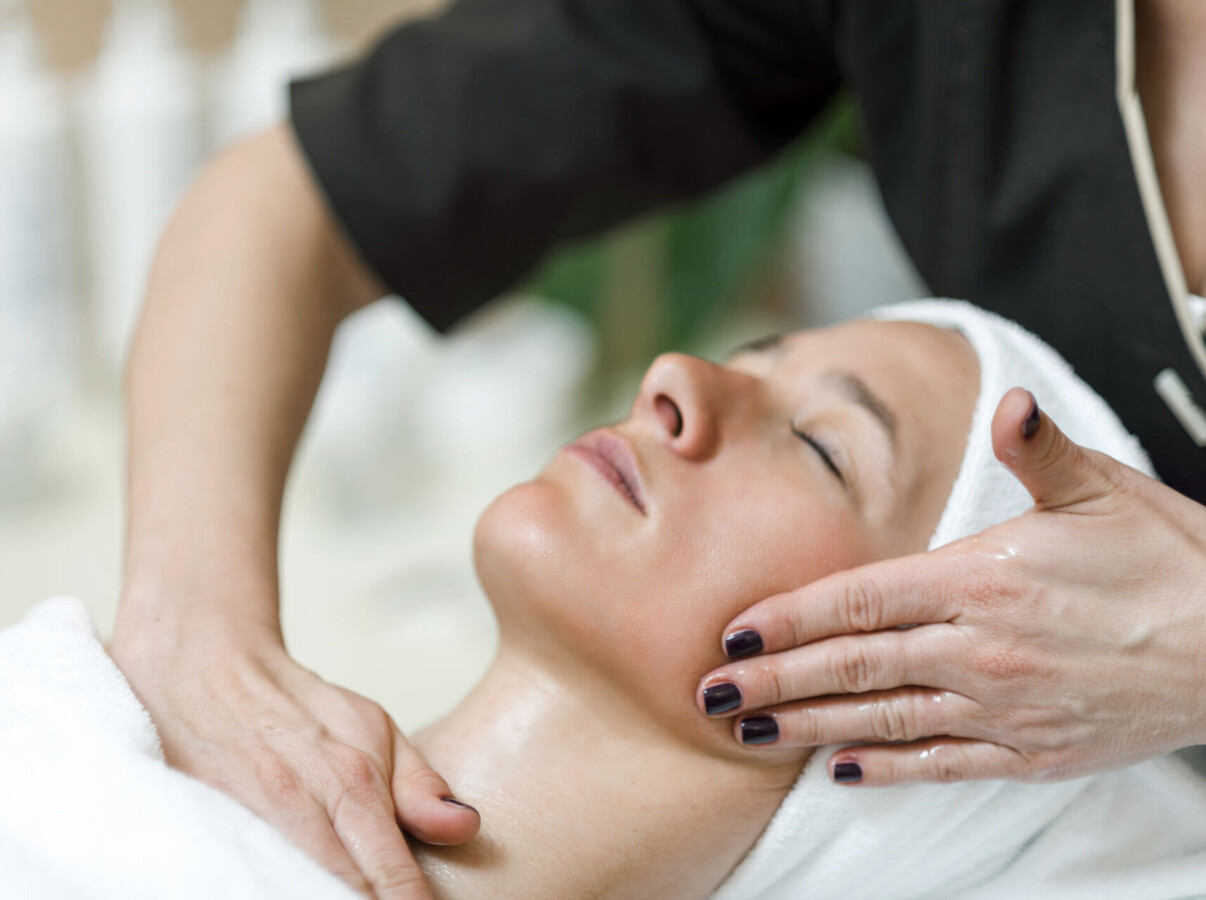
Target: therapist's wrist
<point>161,619</point>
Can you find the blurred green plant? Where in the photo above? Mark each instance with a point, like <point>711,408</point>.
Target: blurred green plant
<point>661,282</point>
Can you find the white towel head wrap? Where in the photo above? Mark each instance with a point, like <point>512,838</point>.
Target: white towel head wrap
<point>985,493</point>
<point>922,840</point>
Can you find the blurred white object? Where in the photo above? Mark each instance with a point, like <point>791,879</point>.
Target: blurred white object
<point>37,261</point>
<point>380,360</point>
<point>141,115</point>
<point>408,422</point>
<point>277,41</point>
<point>847,257</point>
<point>506,394</point>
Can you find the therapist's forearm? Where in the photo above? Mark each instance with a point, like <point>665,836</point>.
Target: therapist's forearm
<point>247,289</point>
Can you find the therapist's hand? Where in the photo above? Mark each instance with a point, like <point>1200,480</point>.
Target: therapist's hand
<point>327,767</point>
<point>1069,640</point>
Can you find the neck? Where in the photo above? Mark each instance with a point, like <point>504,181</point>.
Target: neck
<point>582,795</point>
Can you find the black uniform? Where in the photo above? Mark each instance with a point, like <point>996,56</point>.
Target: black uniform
<point>463,147</point>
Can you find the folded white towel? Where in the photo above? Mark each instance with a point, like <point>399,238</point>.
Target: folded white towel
<point>89,809</point>
<point>1139,833</point>
<point>985,492</point>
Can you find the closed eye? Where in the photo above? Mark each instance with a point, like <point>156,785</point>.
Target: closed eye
<point>816,445</point>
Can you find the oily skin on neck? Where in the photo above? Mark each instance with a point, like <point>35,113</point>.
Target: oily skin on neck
<point>595,774</point>
<point>581,796</point>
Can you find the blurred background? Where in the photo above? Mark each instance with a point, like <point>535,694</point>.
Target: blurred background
<point>107,110</point>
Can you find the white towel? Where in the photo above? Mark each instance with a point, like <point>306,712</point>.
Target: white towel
<point>1139,833</point>
<point>89,809</point>
<point>985,493</point>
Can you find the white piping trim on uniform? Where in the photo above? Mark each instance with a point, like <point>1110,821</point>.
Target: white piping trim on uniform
<point>1197,309</point>
<point>1135,126</point>
<point>1174,392</point>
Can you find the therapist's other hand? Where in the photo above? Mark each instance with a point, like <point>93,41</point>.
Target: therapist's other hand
<point>325,766</point>
<point>1069,640</point>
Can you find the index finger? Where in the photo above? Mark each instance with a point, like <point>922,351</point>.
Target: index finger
<point>365,821</point>
<point>911,590</point>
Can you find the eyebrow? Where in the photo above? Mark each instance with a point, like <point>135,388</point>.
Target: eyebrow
<point>856,389</point>
<point>763,344</point>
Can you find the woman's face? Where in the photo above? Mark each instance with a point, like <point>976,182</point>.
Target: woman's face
<point>726,484</point>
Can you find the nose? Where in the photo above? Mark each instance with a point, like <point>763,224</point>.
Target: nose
<point>682,396</point>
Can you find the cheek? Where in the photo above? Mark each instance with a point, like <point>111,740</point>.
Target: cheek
<point>723,550</point>
<point>646,604</point>
<point>741,546</point>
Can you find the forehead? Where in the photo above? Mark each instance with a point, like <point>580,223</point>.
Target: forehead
<point>886,355</point>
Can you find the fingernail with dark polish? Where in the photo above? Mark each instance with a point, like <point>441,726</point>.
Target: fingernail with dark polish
<point>742,643</point>
<point>760,730</point>
<point>721,698</point>
<point>847,773</point>
<point>1031,423</point>
<point>452,801</point>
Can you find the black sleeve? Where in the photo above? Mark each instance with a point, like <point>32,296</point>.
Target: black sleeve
<point>463,147</point>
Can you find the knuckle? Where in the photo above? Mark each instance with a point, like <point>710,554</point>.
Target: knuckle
<point>770,687</point>
<point>891,720</point>
<point>949,765</point>
<point>981,585</point>
<point>427,780</point>
<point>854,668</point>
<point>808,728</point>
<point>1117,484</point>
<point>1018,720</point>
<point>397,878</point>
<point>786,687</point>
<point>355,771</point>
<point>1032,729</point>
<point>1044,733</point>
<point>1005,664</point>
<point>1060,454</point>
<point>279,779</point>
<point>371,719</point>
<point>774,689</point>
<point>1044,767</point>
<point>864,605</point>
<point>786,618</point>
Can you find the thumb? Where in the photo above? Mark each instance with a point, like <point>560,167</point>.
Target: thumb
<point>425,804</point>
<point>1055,470</point>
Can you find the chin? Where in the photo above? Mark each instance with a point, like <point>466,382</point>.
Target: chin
<point>555,576</point>
<point>526,554</point>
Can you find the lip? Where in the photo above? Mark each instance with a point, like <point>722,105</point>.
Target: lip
<point>611,457</point>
